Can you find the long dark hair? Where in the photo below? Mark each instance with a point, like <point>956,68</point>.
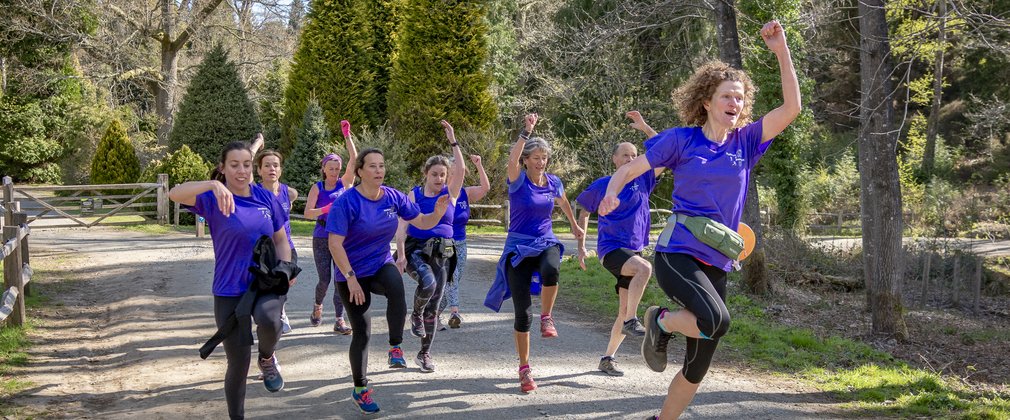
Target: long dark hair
<point>216,173</point>
<point>359,161</point>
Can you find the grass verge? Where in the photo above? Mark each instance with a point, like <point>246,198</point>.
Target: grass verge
<point>13,345</point>
<point>872,383</point>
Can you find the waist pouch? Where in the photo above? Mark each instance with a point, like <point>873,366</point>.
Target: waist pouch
<point>432,247</point>
<point>710,232</point>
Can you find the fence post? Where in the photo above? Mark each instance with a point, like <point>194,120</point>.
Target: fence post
<point>21,218</point>
<point>978,285</point>
<point>177,208</point>
<point>162,199</point>
<point>840,215</point>
<point>8,199</point>
<point>12,278</point>
<point>955,282</point>
<point>925,277</point>
<point>506,215</point>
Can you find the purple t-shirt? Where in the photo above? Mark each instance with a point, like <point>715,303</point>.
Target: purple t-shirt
<point>628,225</point>
<point>427,205</point>
<point>284,197</point>
<point>325,198</point>
<point>367,227</point>
<point>530,205</point>
<point>235,236</point>
<point>460,216</point>
<point>708,180</point>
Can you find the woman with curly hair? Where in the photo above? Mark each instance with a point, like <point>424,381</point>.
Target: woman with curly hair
<point>711,160</point>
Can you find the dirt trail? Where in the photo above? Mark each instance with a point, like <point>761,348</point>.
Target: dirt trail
<point>120,340</point>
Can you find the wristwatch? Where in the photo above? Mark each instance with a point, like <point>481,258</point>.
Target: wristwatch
<point>349,274</point>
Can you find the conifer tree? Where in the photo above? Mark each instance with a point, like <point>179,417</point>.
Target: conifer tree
<point>438,74</point>
<point>115,160</point>
<point>216,109</point>
<point>314,142</point>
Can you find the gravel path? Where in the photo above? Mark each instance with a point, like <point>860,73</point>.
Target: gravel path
<point>120,341</point>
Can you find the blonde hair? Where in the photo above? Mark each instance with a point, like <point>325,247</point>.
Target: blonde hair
<point>690,98</point>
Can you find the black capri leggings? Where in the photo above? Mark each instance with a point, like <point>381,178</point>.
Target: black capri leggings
<point>548,264</point>
<point>267,315</point>
<point>386,282</point>
<point>701,289</point>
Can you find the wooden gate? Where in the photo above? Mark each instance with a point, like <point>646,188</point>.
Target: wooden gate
<point>56,206</point>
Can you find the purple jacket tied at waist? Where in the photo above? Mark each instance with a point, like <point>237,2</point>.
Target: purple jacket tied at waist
<point>519,246</point>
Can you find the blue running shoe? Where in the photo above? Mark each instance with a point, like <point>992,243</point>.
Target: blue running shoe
<point>365,402</point>
<point>272,379</point>
<point>396,360</point>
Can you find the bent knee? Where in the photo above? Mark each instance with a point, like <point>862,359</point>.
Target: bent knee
<point>715,327</point>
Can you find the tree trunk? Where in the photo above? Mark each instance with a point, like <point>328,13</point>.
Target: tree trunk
<point>165,91</point>
<point>933,125</point>
<point>755,272</point>
<point>880,194</point>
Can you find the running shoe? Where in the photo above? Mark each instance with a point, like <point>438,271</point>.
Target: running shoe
<point>633,327</point>
<point>440,325</point>
<point>455,320</point>
<point>609,366</point>
<point>547,329</point>
<point>396,360</point>
<point>317,316</point>
<point>654,344</point>
<point>341,327</point>
<point>272,379</point>
<point>365,402</point>
<point>417,325</point>
<point>285,323</point>
<point>424,362</point>
<point>526,383</point>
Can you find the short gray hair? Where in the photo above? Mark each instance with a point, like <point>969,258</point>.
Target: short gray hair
<point>533,144</point>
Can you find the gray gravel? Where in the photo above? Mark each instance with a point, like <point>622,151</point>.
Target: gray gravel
<point>121,341</point>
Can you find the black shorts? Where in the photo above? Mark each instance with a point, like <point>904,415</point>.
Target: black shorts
<point>613,262</point>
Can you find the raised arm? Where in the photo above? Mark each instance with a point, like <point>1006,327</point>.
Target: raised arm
<point>478,192</point>
<point>186,193</point>
<point>517,149</point>
<point>638,123</point>
<point>779,118</point>
<point>622,177</point>
<point>292,194</point>
<point>352,154</point>
<point>458,171</point>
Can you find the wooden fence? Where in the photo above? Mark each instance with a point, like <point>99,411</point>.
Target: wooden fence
<point>17,272</point>
<point>55,206</point>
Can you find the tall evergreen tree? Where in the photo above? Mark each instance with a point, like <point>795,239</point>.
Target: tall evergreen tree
<point>271,104</point>
<point>438,74</point>
<point>216,109</point>
<point>115,160</point>
<point>301,170</point>
<point>333,65</point>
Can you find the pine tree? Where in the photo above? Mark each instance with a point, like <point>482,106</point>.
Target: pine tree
<point>271,105</point>
<point>332,66</point>
<point>438,74</point>
<point>115,161</point>
<point>314,142</point>
<point>216,109</point>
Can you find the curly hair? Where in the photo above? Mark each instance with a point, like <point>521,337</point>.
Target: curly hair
<point>689,98</point>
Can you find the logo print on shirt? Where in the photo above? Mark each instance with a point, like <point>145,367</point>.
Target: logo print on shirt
<point>736,159</point>
<point>265,211</point>
<point>462,205</point>
<point>390,212</point>
<point>634,187</point>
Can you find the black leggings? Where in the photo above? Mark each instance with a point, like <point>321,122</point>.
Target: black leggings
<point>548,264</point>
<point>267,315</point>
<point>700,289</point>
<point>386,282</point>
